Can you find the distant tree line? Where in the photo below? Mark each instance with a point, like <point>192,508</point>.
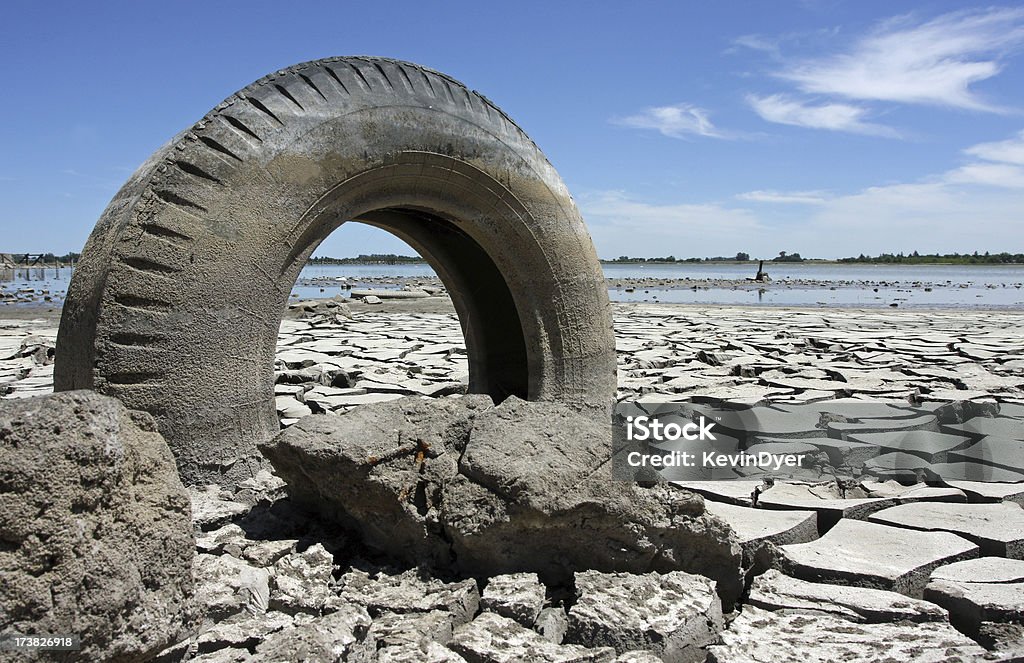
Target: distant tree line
<point>739,257</point>
<point>372,259</point>
<point>916,258</point>
<point>45,259</point>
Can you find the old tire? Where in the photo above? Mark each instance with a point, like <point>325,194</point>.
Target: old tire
<point>177,299</point>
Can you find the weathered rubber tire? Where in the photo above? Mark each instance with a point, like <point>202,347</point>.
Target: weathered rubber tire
<point>176,302</point>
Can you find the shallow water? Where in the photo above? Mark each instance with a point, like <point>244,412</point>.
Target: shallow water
<point>792,284</point>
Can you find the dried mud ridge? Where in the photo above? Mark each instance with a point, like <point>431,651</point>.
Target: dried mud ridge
<point>870,570</point>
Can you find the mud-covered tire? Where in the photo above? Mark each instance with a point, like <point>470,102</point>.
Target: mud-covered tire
<point>176,302</point>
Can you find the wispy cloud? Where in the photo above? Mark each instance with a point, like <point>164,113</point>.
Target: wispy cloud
<point>676,121</point>
<point>975,206</point>
<point>783,109</point>
<point>908,61</point>
<point>785,197</point>
<point>999,164</point>
<point>1006,151</point>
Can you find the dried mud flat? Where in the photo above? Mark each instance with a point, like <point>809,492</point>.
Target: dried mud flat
<point>864,570</point>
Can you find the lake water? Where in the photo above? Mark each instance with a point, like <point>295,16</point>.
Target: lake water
<point>792,284</point>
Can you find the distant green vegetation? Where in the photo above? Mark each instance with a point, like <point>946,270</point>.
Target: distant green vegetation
<point>739,257</point>
<point>916,258</point>
<point>35,259</point>
<point>372,259</point>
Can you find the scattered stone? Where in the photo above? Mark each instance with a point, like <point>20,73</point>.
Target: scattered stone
<point>522,487</point>
<point>95,535</point>
<point>267,553</point>
<point>246,634</point>
<point>760,635</point>
<point>552,623</point>
<point>329,638</point>
<point>775,591</point>
<point>491,638</point>
<point>299,582</point>
<point>213,507</point>
<point>518,596</point>
<point>675,615</point>
<point>214,542</point>
<point>864,554</point>
<point>410,592</point>
<point>227,587</point>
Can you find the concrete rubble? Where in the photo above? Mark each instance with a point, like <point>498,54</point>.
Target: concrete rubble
<point>90,500</point>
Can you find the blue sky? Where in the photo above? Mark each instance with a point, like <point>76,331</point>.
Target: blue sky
<point>824,127</point>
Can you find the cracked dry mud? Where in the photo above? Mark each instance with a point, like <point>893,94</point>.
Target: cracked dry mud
<point>866,570</point>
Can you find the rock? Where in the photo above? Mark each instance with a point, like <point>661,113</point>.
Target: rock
<point>760,635</point>
<point>675,615</point>
<point>96,530</point>
<point>328,638</point>
<point>491,638</point>
<point>412,638</point>
<point>300,581</point>
<point>984,491</point>
<point>739,491</point>
<point>392,629</point>
<point>975,591</point>
<point>863,554</point>
<point>775,591</point>
<point>227,587</point>
<point>378,469</point>
<point>246,634</point>
<point>913,493</point>
<point>410,592</point>
<point>267,553</point>
<point>825,499</point>
<point>535,493</point>
<point>1005,641</point>
<point>214,542</point>
<point>457,484</point>
<point>213,507</point>
<point>289,408</point>
<point>424,652</point>
<point>518,596</point>
<point>754,527</point>
<point>998,529</point>
<point>636,657</point>
<point>552,623</point>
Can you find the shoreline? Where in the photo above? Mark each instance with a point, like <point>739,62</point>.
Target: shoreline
<point>439,304</point>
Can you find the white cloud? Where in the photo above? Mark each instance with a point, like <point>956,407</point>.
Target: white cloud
<point>785,197</point>
<point>677,121</point>
<point>783,109</point>
<point>974,207</point>
<point>1006,151</point>
<point>989,174</point>
<point>935,62</point>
